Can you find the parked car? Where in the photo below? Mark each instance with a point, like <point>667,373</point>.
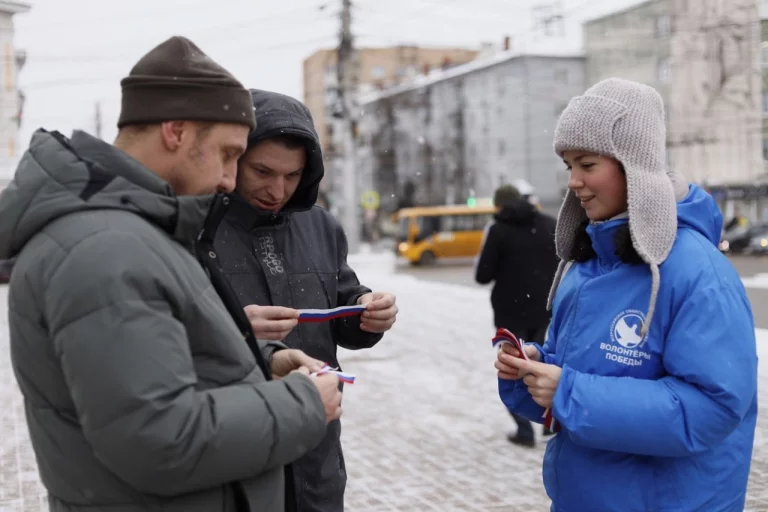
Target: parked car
<point>738,239</point>
<point>758,244</point>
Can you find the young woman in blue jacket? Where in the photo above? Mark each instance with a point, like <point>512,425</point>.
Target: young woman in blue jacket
<point>650,364</point>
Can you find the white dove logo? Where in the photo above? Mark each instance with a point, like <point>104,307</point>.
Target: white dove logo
<point>626,329</point>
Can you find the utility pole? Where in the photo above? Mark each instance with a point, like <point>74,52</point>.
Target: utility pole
<point>97,119</point>
<point>344,62</point>
<point>545,15</point>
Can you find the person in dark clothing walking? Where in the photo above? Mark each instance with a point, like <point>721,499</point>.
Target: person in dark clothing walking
<point>519,256</point>
<point>281,252</point>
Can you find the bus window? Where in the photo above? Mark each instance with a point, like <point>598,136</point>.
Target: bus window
<point>482,220</point>
<point>428,226</point>
<point>464,223</point>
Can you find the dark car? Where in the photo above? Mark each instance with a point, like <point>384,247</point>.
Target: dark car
<point>758,244</point>
<point>738,238</point>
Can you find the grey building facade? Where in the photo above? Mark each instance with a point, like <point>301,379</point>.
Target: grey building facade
<point>460,133</point>
<point>703,57</point>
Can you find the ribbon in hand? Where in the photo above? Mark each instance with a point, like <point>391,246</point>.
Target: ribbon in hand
<point>504,336</point>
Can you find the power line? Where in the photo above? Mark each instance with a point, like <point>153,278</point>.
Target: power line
<point>629,39</point>
<point>411,16</point>
<point>120,18</point>
<point>224,31</point>
<point>704,24</point>
<point>88,81</point>
<point>436,17</point>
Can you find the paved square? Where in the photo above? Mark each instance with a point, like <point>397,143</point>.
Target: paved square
<point>423,428</point>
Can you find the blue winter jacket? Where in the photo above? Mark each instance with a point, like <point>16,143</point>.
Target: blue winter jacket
<point>663,423</point>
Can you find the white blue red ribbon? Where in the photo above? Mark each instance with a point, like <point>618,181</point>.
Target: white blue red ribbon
<point>504,336</point>
<point>326,315</point>
<point>348,378</point>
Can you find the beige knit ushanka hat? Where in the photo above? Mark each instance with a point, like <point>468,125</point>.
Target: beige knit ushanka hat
<point>623,120</point>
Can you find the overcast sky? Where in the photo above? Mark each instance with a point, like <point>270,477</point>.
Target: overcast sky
<point>78,50</point>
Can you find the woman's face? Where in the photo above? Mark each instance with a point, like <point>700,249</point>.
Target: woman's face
<point>598,182</point>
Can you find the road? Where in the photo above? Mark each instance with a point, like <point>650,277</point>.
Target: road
<point>461,272</point>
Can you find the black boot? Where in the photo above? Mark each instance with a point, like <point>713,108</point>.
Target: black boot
<point>524,435</point>
<point>517,439</point>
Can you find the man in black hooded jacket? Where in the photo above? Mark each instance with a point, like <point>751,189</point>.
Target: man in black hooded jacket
<point>519,256</point>
<point>280,253</point>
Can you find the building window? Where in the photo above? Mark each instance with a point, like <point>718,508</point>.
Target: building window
<point>765,102</point>
<point>377,72</point>
<point>663,25</point>
<point>663,72</point>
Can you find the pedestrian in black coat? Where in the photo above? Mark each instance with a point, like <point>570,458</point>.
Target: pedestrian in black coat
<point>519,257</point>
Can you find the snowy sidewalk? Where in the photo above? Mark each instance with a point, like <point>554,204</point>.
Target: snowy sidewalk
<point>423,428</point>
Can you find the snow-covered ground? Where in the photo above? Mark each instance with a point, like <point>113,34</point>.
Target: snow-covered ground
<point>423,428</point>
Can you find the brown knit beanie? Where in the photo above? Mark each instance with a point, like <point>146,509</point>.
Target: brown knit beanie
<point>176,81</point>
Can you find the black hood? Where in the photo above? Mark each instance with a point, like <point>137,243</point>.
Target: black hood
<point>517,212</point>
<point>278,114</point>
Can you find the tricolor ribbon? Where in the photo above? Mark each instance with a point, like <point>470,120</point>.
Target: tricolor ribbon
<point>326,315</point>
<point>348,378</point>
<point>504,336</point>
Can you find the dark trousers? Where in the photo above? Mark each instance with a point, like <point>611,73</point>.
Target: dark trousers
<point>524,427</point>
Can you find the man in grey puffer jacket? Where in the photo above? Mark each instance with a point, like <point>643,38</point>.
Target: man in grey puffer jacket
<point>144,386</point>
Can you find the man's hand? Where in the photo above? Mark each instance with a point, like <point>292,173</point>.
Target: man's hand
<point>380,313</point>
<point>286,361</point>
<point>273,323</point>
<point>507,354</point>
<point>328,386</point>
<point>542,379</point>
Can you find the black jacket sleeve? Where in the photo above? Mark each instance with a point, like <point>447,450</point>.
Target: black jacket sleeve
<point>346,331</point>
<point>485,272</point>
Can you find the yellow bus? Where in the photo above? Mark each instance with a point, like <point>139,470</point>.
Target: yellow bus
<point>426,234</point>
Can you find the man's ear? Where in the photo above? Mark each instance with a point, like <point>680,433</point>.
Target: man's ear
<point>173,134</point>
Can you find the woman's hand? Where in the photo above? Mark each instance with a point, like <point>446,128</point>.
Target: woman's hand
<point>541,379</point>
<point>506,354</point>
